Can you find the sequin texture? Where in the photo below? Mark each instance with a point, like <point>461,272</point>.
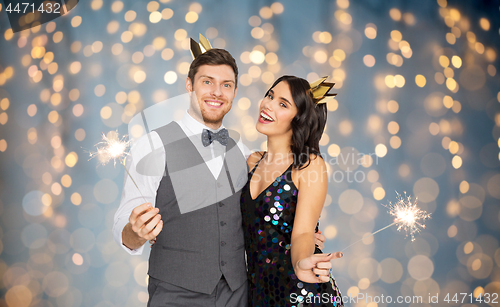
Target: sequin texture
<point>267,223</point>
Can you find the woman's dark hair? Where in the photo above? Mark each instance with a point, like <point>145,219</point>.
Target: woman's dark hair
<point>213,56</point>
<point>309,122</point>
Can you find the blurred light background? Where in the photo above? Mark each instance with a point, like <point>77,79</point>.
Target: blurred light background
<point>418,110</point>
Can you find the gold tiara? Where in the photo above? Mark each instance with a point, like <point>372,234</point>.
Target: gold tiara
<point>199,48</point>
<point>320,89</point>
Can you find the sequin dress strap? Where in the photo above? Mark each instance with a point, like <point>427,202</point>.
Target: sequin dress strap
<point>257,164</point>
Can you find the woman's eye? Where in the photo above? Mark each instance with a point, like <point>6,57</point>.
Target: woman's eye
<point>282,104</point>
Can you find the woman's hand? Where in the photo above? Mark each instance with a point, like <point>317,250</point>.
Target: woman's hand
<point>319,240</point>
<point>316,268</point>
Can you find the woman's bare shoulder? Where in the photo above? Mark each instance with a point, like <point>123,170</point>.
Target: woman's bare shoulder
<point>254,158</point>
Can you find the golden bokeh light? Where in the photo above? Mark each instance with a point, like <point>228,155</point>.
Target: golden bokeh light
<point>258,57</point>
<point>266,12</point>
<point>456,61</point>
<point>170,77</point>
<point>76,199</point>
<point>53,116</point>
<point>456,162</point>
<point>484,23</point>
<point>117,6</point>
<point>71,159</point>
<point>396,36</point>
<point>167,13</point>
<point>464,187</point>
<point>345,127</point>
<point>130,16</point>
<point>395,14</point>
<point>333,150</point>
<point>66,181</point>
<point>379,193</point>
<point>96,4</point>
<point>3,145</point>
<point>191,17</point>
<point>76,21</point>
<point>380,150</point>
<point>395,142</point>
<point>371,31</point>
<point>244,103</point>
<point>369,60</point>
<point>420,80</point>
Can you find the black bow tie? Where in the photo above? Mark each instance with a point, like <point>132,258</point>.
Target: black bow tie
<point>207,137</point>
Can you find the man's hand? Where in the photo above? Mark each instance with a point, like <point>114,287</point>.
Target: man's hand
<point>144,224</point>
<point>316,268</point>
<point>319,240</point>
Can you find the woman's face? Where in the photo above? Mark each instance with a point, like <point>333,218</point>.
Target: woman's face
<point>277,110</point>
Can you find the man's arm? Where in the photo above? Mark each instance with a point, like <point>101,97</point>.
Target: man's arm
<point>136,219</point>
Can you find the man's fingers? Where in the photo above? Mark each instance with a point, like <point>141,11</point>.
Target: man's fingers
<point>142,220</point>
<point>148,226</point>
<point>157,229</point>
<point>138,211</point>
<point>146,217</point>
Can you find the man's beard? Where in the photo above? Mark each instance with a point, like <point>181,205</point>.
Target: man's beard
<point>207,118</point>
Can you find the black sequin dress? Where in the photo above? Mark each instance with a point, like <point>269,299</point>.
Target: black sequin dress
<point>267,224</point>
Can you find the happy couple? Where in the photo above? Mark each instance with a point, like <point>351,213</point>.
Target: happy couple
<point>211,201</point>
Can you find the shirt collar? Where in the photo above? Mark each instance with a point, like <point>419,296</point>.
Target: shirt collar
<point>195,127</point>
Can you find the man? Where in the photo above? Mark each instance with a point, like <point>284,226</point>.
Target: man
<point>192,207</point>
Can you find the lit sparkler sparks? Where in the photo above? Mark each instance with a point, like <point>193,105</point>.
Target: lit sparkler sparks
<point>112,147</point>
<point>407,216</point>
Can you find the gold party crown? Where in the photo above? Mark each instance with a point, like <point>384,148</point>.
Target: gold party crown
<point>199,48</point>
<point>320,89</point>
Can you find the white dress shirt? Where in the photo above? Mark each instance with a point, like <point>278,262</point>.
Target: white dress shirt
<point>213,155</point>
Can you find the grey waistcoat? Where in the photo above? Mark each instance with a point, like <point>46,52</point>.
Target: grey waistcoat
<point>202,236</point>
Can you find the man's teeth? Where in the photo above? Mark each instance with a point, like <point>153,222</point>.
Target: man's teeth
<point>213,103</point>
<point>263,115</point>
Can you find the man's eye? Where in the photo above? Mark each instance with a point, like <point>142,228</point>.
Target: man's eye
<point>227,85</point>
<point>206,82</point>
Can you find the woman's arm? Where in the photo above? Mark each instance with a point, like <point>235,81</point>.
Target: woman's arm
<point>313,185</point>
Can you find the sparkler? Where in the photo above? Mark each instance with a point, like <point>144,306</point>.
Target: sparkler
<point>112,147</point>
<point>407,216</point>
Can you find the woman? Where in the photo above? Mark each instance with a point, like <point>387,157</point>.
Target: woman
<point>279,222</point>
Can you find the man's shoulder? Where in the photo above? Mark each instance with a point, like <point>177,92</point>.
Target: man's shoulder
<point>171,125</point>
<point>170,132</point>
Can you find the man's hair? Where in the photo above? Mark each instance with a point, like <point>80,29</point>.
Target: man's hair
<point>213,57</point>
